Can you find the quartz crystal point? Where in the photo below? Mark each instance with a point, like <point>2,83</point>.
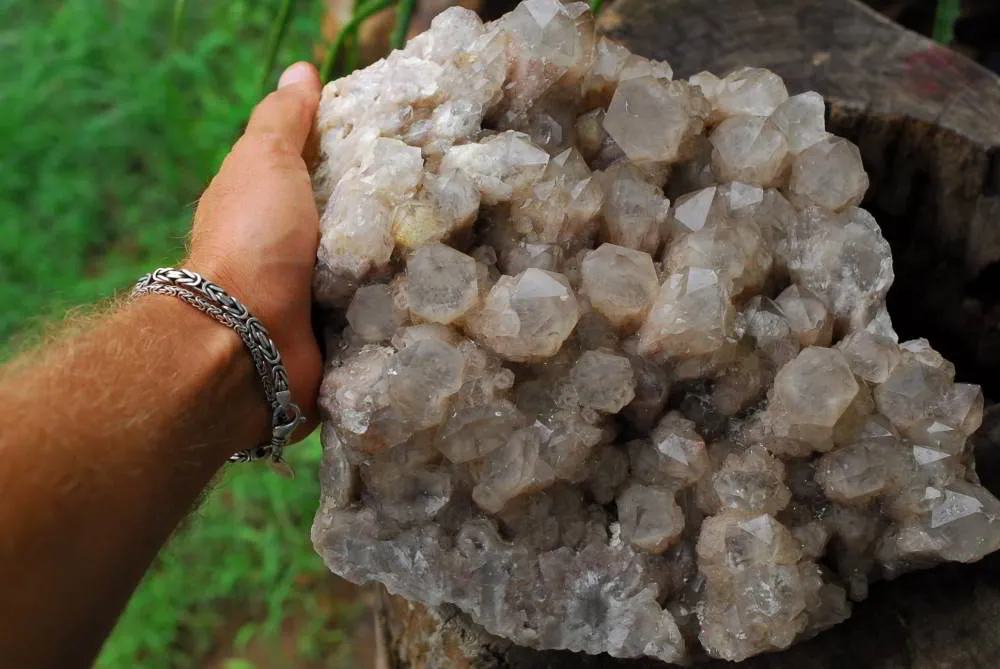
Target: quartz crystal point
<point>609,364</point>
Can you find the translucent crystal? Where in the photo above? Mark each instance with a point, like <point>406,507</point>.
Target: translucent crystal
<point>807,317</point>
<point>772,333</point>
<point>561,207</point>
<point>676,454</point>
<point>405,495</point>
<point>516,468</point>
<point>499,166</point>
<point>749,90</point>
<point>374,313</point>
<point>736,250</point>
<point>634,210</point>
<point>801,119</point>
<point>911,391</point>
<point>750,149</point>
<point>441,283</point>
<point>528,316</point>
<point>856,474</point>
<point>872,357</point>
<point>473,432</point>
<point>843,260</point>
<point>651,118</point>
<point>603,381</point>
<point>752,481</point>
<point>704,208</point>
<point>589,420</point>
<point>423,377</point>
<point>620,283</point>
<point>810,395</point>
<point>650,518</point>
<point>691,316</point>
<point>830,174</point>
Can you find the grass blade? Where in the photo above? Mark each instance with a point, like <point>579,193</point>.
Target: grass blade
<point>353,44</point>
<point>595,6</point>
<point>353,52</point>
<point>362,13</point>
<point>278,31</point>
<point>175,28</point>
<point>944,20</point>
<point>404,14</point>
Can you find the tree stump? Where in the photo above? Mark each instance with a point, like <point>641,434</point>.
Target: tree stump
<point>927,121</point>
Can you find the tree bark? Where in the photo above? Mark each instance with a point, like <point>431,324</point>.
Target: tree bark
<point>927,121</point>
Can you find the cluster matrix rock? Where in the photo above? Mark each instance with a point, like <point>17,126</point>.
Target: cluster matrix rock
<point>611,369</point>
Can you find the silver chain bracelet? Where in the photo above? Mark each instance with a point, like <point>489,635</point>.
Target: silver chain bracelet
<point>211,299</point>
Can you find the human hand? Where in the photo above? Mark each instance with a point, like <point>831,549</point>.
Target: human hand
<point>256,228</point>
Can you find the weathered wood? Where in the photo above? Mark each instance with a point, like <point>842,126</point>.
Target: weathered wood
<point>928,124</point>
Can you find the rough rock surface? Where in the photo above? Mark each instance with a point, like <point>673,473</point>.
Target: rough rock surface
<point>617,374</point>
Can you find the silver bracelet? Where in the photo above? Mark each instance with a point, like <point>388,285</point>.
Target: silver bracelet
<point>211,299</point>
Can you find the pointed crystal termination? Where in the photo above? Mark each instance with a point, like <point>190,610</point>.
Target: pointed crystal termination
<point>830,174</point>
<point>609,362</point>
<point>441,283</point>
<point>620,283</point>
<point>750,149</point>
<point>692,318</point>
<point>651,119</point>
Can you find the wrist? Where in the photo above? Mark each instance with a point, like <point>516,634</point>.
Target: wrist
<point>281,300</point>
<point>214,372</point>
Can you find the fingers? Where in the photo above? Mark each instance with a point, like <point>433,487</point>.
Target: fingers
<point>256,228</point>
<point>287,114</point>
<point>264,179</point>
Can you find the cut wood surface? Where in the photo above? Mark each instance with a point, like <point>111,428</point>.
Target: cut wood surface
<point>927,121</point>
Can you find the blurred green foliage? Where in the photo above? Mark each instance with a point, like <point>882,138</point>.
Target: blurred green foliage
<point>945,17</point>
<point>114,114</point>
<point>244,558</point>
<point>109,134</point>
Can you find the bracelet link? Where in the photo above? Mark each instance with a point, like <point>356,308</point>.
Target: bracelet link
<point>213,300</point>
<point>286,417</point>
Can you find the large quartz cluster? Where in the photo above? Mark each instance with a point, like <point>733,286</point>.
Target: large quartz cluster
<point>610,366</point>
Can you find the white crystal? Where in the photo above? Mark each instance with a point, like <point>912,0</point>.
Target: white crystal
<point>693,429</point>
<point>499,166</point>
<point>750,149</point>
<point>603,381</point>
<point>801,119</point>
<point>650,518</point>
<point>441,283</point>
<point>749,90</point>
<point>620,283</point>
<point>528,316</point>
<point>810,395</point>
<point>651,119</point>
<point>633,210</point>
<point>691,317</point>
<point>374,314</point>
<point>829,173</point>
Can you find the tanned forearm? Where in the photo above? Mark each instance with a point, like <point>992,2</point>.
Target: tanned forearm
<point>108,439</point>
<point>110,433</point>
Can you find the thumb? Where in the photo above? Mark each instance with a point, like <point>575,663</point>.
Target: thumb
<point>288,112</point>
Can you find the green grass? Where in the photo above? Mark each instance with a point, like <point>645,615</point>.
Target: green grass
<point>945,17</point>
<point>109,135</point>
<point>113,117</point>
<point>246,557</point>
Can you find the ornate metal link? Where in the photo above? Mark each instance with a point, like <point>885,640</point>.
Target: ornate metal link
<point>211,299</point>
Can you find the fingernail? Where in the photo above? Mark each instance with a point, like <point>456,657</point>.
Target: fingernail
<point>295,74</point>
